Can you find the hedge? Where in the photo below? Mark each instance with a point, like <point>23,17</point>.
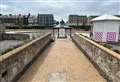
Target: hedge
<point>85,27</point>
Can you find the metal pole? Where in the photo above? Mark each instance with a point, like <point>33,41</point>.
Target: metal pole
<point>70,32</point>
<point>58,32</point>
<point>53,34</point>
<point>65,33</point>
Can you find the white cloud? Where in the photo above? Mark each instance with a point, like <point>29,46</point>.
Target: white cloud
<point>3,6</point>
<point>62,8</point>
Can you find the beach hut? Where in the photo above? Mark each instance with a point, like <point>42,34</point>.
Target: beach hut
<point>106,28</point>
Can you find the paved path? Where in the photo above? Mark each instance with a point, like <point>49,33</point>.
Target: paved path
<point>62,62</point>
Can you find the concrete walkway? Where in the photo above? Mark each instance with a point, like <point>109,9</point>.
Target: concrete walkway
<point>62,62</point>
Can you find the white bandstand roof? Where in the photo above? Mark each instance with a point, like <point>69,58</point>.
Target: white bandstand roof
<point>106,17</point>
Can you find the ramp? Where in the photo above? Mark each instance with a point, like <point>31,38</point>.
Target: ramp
<point>62,61</point>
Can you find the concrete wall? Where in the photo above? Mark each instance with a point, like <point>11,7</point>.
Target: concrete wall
<point>15,36</point>
<point>106,61</point>
<point>14,63</point>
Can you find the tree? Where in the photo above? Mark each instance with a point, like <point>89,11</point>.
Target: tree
<point>0,14</point>
<point>28,15</point>
<point>62,22</point>
<point>57,23</point>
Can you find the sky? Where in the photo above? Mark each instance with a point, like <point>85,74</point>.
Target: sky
<point>60,8</point>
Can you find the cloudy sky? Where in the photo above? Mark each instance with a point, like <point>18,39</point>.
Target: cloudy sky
<point>60,8</point>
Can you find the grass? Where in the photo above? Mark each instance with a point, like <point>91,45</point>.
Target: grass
<point>7,50</point>
<point>117,51</point>
<point>12,48</point>
<point>108,46</point>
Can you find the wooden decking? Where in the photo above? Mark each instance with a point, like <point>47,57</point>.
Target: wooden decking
<point>62,61</point>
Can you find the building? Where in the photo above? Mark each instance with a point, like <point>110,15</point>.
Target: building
<point>106,28</point>
<point>9,20</point>
<point>89,18</point>
<point>73,20</point>
<point>77,20</point>
<point>12,20</point>
<point>25,19</point>
<point>32,20</point>
<point>46,20</point>
<point>2,28</point>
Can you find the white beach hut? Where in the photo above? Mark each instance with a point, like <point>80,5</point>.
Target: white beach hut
<point>106,28</point>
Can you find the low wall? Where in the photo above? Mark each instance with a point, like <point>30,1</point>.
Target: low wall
<point>105,60</point>
<point>15,62</point>
<point>15,36</point>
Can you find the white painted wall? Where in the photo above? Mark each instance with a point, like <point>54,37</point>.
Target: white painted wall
<point>106,26</point>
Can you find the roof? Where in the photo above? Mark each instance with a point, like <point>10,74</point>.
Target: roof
<point>106,17</point>
<point>13,16</point>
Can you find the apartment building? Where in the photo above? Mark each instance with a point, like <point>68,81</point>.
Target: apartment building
<point>90,18</point>
<point>12,20</point>
<point>32,20</point>
<point>45,20</point>
<point>77,20</point>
